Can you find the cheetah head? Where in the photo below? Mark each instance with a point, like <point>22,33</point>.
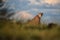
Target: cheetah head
<point>40,14</point>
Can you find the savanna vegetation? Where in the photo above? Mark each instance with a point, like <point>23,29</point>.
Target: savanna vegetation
<point>18,31</point>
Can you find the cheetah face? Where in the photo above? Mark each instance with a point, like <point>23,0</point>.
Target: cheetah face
<point>40,14</point>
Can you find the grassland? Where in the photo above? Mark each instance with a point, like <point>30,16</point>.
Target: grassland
<point>13,31</point>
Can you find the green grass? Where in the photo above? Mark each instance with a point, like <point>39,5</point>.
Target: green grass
<point>13,31</point>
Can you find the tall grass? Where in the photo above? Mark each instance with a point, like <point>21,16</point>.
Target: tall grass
<point>13,31</point>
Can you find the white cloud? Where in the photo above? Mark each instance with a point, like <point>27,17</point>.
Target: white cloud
<point>22,15</point>
<point>4,0</point>
<point>34,2</point>
<point>25,14</point>
<point>51,2</point>
<point>41,2</point>
<point>35,9</point>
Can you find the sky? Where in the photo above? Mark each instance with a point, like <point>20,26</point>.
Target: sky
<point>25,9</point>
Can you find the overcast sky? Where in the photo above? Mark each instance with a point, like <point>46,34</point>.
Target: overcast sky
<point>50,8</point>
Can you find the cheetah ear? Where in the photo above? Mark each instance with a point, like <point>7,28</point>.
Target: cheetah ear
<point>41,14</point>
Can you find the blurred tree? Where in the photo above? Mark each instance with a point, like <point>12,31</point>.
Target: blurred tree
<point>1,3</point>
<point>4,11</point>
